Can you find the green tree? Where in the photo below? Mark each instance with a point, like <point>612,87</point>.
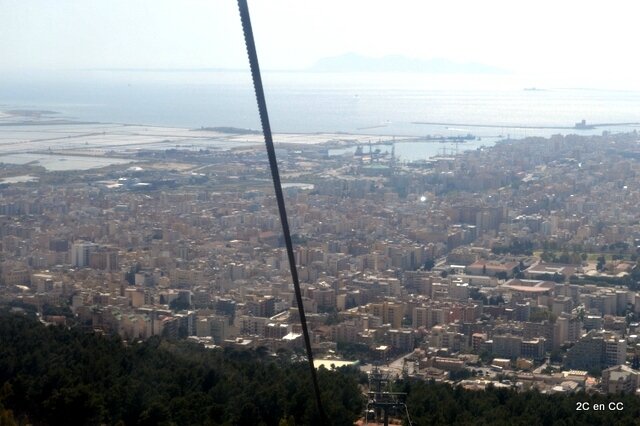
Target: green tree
<point>56,375</point>
<point>429,264</point>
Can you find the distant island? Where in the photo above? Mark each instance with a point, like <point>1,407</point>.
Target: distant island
<point>353,62</point>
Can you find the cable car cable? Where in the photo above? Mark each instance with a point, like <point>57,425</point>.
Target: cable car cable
<point>271,153</point>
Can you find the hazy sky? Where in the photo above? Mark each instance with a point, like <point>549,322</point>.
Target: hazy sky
<point>593,41</point>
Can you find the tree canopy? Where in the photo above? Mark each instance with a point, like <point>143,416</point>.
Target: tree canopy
<point>442,404</point>
<point>54,375</point>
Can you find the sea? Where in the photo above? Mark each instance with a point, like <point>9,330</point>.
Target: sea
<point>378,106</point>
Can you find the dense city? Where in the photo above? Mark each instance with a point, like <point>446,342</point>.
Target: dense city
<point>514,265</point>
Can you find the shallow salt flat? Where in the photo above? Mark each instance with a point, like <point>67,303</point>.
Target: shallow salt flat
<point>41,136</point>
<point>214,144</point>
<point>19,179</point>
<point>311,138</point>
<point>81,143</point>
<point>44,137</point>
<point>61,162</point>
<point>105,137</point>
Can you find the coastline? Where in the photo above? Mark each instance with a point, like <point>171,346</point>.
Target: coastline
<point>46,134</point>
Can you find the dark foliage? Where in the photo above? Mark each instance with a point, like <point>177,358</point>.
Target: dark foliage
<point>632,281</point>
<point>54,375</point>
<point>516,247</point>
<point>429,264</point>
<point>440,404</point>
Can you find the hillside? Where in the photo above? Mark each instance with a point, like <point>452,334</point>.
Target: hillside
<point>54,375</point>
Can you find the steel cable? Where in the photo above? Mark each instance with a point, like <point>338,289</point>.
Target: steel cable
<point>271,153</point>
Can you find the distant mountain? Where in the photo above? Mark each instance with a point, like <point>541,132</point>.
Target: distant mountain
<point>352,62</point>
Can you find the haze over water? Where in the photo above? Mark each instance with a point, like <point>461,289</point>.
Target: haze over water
<point>304,102</point>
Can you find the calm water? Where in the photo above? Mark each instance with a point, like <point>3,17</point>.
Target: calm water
<point>314,102</point>
<point>375,104</point>
<point>61,162</point>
